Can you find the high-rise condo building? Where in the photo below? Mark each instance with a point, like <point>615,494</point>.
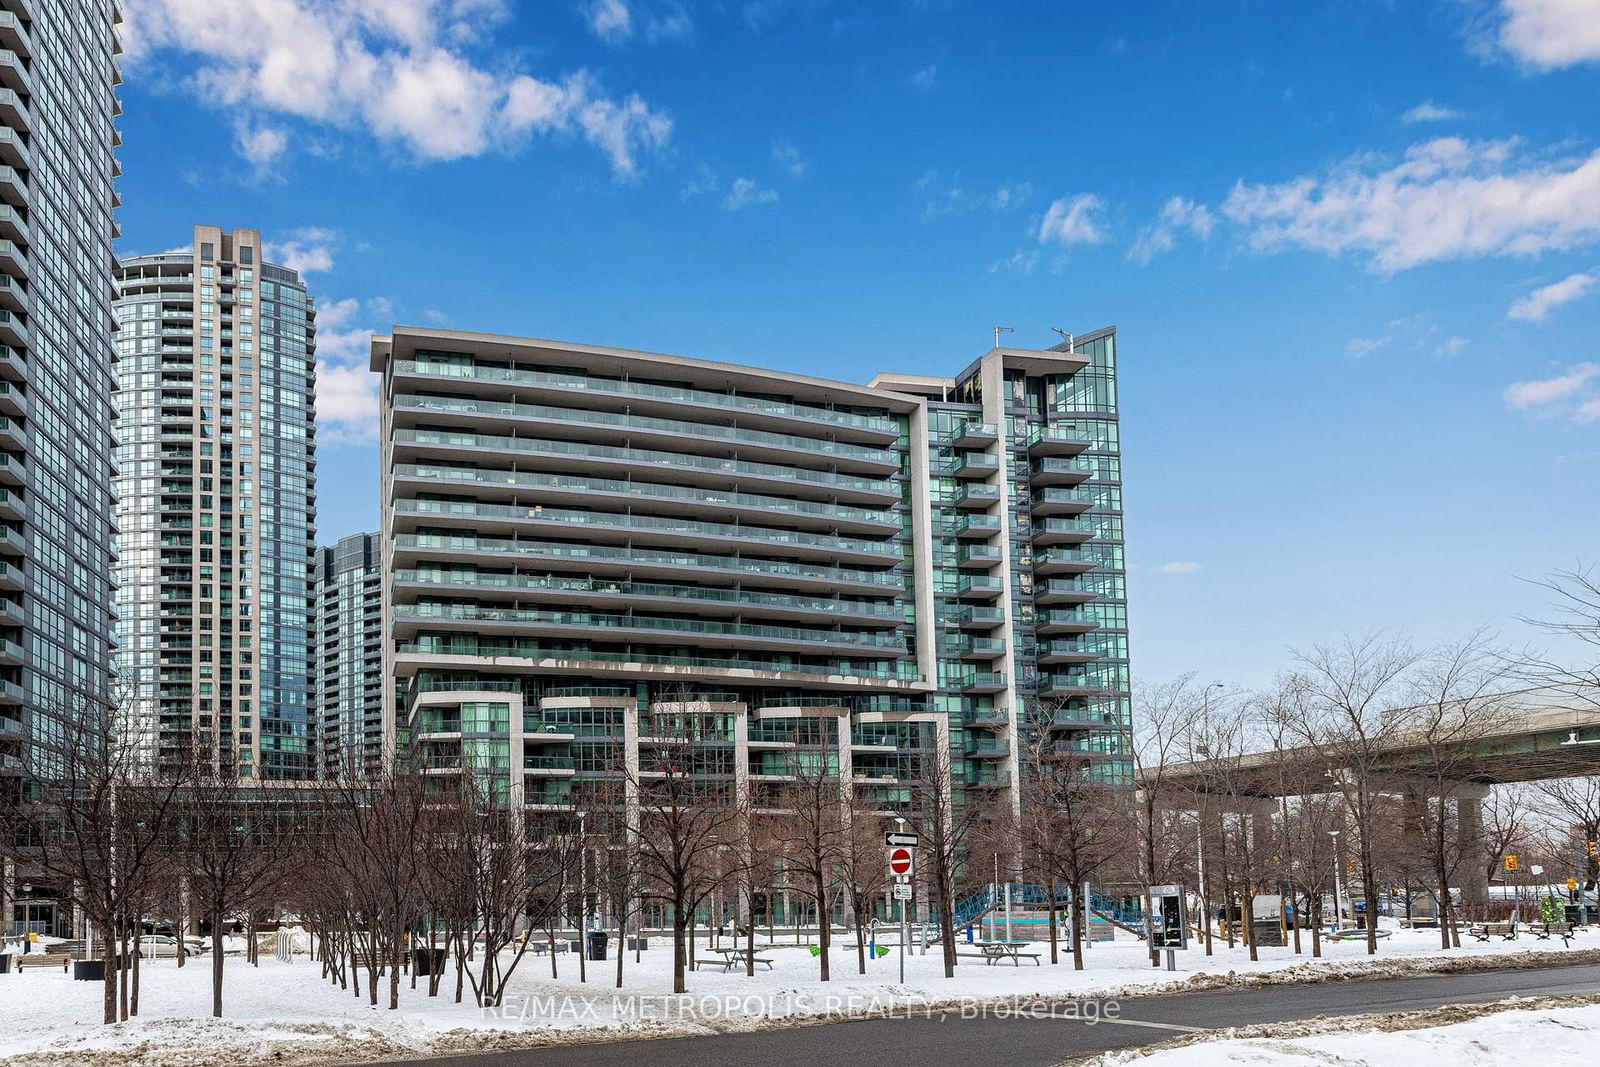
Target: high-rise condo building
<point>58,108</point>
<point>582,545</point>
<point>216,502</point>
<point>347,688</point>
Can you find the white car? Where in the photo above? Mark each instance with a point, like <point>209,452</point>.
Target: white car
<point>164,947</point>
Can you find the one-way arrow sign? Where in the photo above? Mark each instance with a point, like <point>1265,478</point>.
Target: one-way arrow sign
<point>893,839</point>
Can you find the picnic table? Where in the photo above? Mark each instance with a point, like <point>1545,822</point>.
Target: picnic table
<point>991,952</point>
<point>1354,933</point>
<point>729,958</point>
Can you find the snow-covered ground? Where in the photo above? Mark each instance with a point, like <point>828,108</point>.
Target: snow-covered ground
<point>1549,1037</point>
<point>287,1011</point>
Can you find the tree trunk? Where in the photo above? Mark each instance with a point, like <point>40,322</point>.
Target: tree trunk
<point>1075,920</point>
<point>110,988</point>
<point>1054,955</point>
<point>678,948</point>
<point>1315,900</point>
<point>824,926</point>
<point>216,961</point>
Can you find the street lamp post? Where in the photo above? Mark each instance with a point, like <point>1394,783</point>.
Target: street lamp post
<point>1337,907</point>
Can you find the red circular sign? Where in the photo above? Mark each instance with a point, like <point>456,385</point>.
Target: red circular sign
<point>900,860</point>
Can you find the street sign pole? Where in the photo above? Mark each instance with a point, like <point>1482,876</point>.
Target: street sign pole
<point>901,901</point>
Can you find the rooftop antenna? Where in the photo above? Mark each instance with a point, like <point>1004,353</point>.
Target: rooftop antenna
<point>1066,336</point>
<point>998,330</point>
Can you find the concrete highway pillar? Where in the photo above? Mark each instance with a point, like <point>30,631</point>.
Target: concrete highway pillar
<point>1469,839</point>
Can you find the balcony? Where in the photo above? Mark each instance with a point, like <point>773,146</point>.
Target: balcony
<point>974,617</point>
<point>11,577</point>
<point>986,749</point>
<point>974,434</point>
<point>11,653</point>
<point>976,527</point>
<point>1063,531</point>
<point>1052,440</point>
<point>1065,651</point>
<point>971,465</point>
<point>977,557</point>
<point>13,112</point>
<point>14,73</point>
<point>982,682</point>
<point>633,528</point>
<point>549,766</point>
<point>1064,561</point>
<point>1061,591</point>
<point>980,587</point>
<point>670,433</point>
<point>976,648</point>
<point>12,435</point>
<point>13,401</point>
<point>584,458</point>
<point>1060,501</point>
<point>1060,471</point>
<point>11,729</point>
<point>1066,686</point>
<point>13,469</point>
<point>986,719</point>
<point>639,562</point>
<point>645,397</point>
<point>976,496</point>
<point>13,260</point>
<point>989,778</point>
<point>1064,620</point>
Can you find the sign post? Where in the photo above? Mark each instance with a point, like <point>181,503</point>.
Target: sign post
<point>902,862</point>
<point>1169,923</point>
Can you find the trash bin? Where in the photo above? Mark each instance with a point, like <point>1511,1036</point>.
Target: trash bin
<point>5,963</point>
<point>427,961</point>
<point>597,945</point>
<point>93,970</point>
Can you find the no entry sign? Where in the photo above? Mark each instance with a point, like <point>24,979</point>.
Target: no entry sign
<point>900,862</point>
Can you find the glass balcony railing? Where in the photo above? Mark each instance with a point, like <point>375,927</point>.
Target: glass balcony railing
<point>558,550</point>
<point>884,610</point>
<point>875,639</point>
<point>835,449</point>
<point>714,497</point>
<point>644,458</point>
<point>583,383</point>
<point>886,671</point>
<point>571,517</point>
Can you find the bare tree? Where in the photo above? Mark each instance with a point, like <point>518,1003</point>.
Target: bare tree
<point>811,835</point>
<point>862,870</point>
<point>1338,702</point>
<point>688,815</point>
<point>1164,717</point>
<point>1576,618</point>
<point>93,821</point>
<point>1455,702</point>
<point>1508,822</point>
<point>944,825</point>
<point>1574,803</point>
<point>233,837</point>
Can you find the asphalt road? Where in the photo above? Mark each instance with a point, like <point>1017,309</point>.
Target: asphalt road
<point>950,1041</point>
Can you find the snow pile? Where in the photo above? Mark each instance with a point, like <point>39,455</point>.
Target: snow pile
<point>285,1012</point>
<point>1550,1037</point>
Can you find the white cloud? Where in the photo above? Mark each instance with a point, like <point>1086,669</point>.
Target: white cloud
<point>1073,220</point>
<point>1178,566</point>
<point>703,181</point>
<point>1428,111</point>
<point>1537,305</point>
<point>347,392</point>
<point>1574,394</point>
<point>1023,261</point>
<point>609,20</point>
<point>670,23</point>
<point>1179,213</point>
<point>788,157</point>
<point>745,193</point>
<point>258,145</point>
<point>307,250</point>
<point>394,69</point>
<point>1448,199</point>
<point>347,404</point>
<point>950,197</point>
<point>925,78</point>
<point>1547,34</point>
<point>1414,333</point>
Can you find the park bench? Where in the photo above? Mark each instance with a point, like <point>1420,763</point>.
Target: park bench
<point>41,959</point>
<point>1545,931</point>
<point>1484,931</point>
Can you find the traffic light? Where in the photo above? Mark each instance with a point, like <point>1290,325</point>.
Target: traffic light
<point>1594,849</point>
<point>1512,864</point>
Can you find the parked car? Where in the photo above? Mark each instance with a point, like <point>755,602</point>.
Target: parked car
<point>164,947</point>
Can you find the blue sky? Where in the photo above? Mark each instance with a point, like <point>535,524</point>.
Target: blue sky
<point>1352,249</point>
